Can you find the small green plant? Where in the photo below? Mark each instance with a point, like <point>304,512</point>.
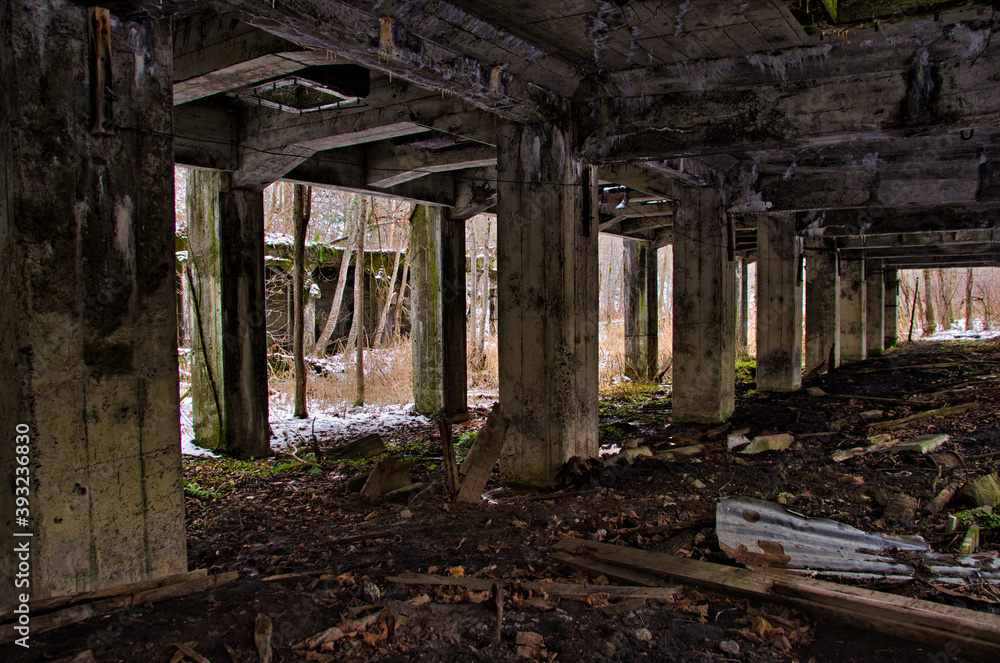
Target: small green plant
<point>193,489</point>
<point>746,370</point>
<point>980,517</point>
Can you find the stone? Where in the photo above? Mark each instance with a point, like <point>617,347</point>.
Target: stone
<point>698,484</point>
<point>780,442</point>
<point>644,635</point>
<point>872,415</point>
<point>682,452</point>
<point>901,510</point>
<point>815,392</point>
<point>921,445</point>
<point>730,647</point>
<point>737,440</point>
<point>786,498</point>
<point>982,491</point>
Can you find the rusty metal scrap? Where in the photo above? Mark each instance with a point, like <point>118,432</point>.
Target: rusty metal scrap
<point>760,534</point>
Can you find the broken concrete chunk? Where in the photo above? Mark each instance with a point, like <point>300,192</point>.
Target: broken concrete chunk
<point>815,392</point>
<point>761,443</point>
<point>970,543</point>
<point>737,440</point>
<point>682,452</point>
<point>901,510</point>
<point>984,491</point>
<point>628,456</point>
<point>921,445</point>
<point>846,454</point>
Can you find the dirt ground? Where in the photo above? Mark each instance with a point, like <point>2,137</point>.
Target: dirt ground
<point>278,516</point>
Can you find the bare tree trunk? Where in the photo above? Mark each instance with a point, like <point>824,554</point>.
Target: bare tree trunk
<point>384,317</point>
<point>947,293</point>
<point>359,314</point>
<point>397,316</point>
<point>969,326</point>
<point>300,216</point>
<point>930,321</point>
<point>338,298</point>
<point>473,314</point>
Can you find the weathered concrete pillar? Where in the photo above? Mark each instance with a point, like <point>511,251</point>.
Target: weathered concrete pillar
<point>853,311</point>
<point>704,310</point>
<point>547,301</point>
<point>229,341</point>
<point>641,307</point>
<point>875,308</point>
<point>88,317</point>
<point>437,305</point>
<point>742,307</point>
<point>891,275</point>
<point>779,304</point>
<point>822,311</point>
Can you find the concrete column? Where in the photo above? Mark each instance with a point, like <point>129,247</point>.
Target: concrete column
<point>875,308</point>
<point>229,341</point>
<point>437,305</point>
<point>853,311</point>
<point>88,338</point>
<point>742,307</point>
<point>779,304</point>
<point>547,301</point>
<point>891,276</point>
<point>704,310</point>
<point>822,311</point>
<point>641,308</point>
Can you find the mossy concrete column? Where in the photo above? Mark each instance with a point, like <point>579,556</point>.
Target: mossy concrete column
<point>853,311</point>
<point>225,274</point>
<point>704,310</point>
<point>891,276</point>
<point>641,304</point>
<point>437,306</point>
<point>875,308</point>
<point>88,338</point>
<point>547,301</point>
<point>779,304</point>
<point>822,310</point>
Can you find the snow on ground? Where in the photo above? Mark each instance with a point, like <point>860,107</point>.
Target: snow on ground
<point>957,332</point>
<point>339,424</point>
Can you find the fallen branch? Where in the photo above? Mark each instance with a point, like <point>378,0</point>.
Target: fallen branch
<point>943,498</point>
<point>939,412</point>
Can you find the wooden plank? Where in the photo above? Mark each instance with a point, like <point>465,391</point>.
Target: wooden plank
<point>482,457</point>
<point>372,489</point>
<point>611,571</point>
<point>77,613</point>
<point>45,605</point>
<point>555,589</point>
<point>977,634</point>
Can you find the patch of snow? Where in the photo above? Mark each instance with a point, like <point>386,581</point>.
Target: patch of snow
<point>957,332</point>
<point>327,424</point>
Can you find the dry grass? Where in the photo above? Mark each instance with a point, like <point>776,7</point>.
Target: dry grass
<point>388,379</point>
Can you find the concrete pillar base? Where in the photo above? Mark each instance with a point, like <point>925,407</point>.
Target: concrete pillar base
<point>822,311</point>
<point>779,304</point>
<point>225,275</point>
<point>88,343</point>
<point>875,308</point>
<point>437,301</point>
<point>547,302</point>
<point>641,304</point>
<point>704,311</point>
<point>853,311</point>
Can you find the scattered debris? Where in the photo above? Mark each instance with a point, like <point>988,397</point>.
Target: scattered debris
<point>943,498</point>
<point>921,445</point>
<point>939,412</point>
<point>970,543</point>
<point>730,647</point>
<point>977,634</point>
<point>399,477</point>
<point>682,452</point>
<point>375,484</point>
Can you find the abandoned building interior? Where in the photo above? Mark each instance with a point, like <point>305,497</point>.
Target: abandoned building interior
<point>832,142</point>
